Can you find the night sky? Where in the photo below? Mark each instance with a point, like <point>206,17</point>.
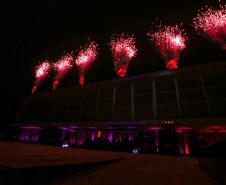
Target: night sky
<point>33,31</point>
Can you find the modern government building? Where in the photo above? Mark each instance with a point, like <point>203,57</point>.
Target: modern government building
<point>178,111</point>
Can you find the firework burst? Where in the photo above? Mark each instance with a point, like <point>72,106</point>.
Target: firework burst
<point>85,59</point>
<point>61,67</point>
<point>41,72</point>
<point>170,42</point>
<point>123,50</point>
<point>212,24</point>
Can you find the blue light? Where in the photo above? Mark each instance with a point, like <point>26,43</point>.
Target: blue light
<point>65,146</point>
<point>135,151</point>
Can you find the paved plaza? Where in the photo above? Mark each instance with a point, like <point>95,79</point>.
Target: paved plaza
<point>122,168</point>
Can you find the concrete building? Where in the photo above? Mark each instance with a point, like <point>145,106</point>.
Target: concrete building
<point>177,111</point>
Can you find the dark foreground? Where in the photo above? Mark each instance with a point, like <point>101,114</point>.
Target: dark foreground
<point>37,164</point>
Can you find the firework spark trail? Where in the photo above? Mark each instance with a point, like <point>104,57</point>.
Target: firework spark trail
<point>169,42</point>
<point>212,24</point>
<point>85,59</point>
<point>123,50</point>
<point>40,73</point>
<point>61,67</point>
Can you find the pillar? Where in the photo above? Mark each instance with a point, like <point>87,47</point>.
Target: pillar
<point>157,140</point>
<point>132,102</point>
<point>178,98</point>
<point>154,99</point>
<point>186,149</point>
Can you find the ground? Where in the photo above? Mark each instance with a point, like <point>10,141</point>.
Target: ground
<point>122,168</point>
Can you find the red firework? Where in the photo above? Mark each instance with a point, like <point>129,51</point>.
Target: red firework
<point>212,24</point>
<point>61,67</point>
<point>85,59</point>
<point>40,73</point>
<point>123,50</point>
<point>170,42</point>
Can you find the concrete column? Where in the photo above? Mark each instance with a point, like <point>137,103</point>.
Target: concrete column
<point>98,97</point>
<point>86,133</point>
<point>186,149</point>
<point>113,103</point>
<point>157,139</point>
<point>132,101</point>
<point>206,96</point>
<point>216,132</point>
<point>178,98</point>
<point>180,141</point>
<point>93,135</point>
<point>63,134</point>
<point>76,137</point>
<point>154,99</point>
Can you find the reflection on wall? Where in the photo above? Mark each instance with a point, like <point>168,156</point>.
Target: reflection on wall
<point>83,135</point>
<point>29,134</point>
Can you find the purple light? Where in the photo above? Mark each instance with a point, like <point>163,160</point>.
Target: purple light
<point>179,131</point>
<point>71,127</point>
<point>111,135</point>
<point>127,78</point>
<point>81,138</point>
<point>31,127</point>
<point>33,138</point>
<point>181,151</point>
<point>21,136</point>
<point>63,134</point>
<point>109,127</point>
<point>36,138</point>
<point>93,136</point>
<point>154,128</point>
<point>29,134</point>
<point>92,127</point>
<point>63,128</point>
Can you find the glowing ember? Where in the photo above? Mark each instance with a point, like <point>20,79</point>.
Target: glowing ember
<point>61,67</point>
<point>85,59</point>
<point>123,50</point>
<point>40,73</point>
<point>212,24</point>
<point>170,42</point>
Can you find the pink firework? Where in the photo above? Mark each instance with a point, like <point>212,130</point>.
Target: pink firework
<point>61,67</point>
<point>212,24</point>
<point>40,73</point>
<point>170,42</point>
<point>123,50</point>
<point>85,59</point>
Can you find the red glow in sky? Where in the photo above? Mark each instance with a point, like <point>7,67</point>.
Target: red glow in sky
<point>123,50</point>
<point>85,59</point>
<point>170,42</point>
<point>61,67</point>
<point>41,72</point>
<point>212,24</point>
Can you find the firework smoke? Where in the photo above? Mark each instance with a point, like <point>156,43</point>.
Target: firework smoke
<point>61,67</point>
<point>170,42</point>
<point>40,73</point>
<point>212,24</point>
<point>85,59</point>
<point>123,50</point>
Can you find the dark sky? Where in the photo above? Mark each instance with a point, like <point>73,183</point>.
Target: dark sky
<point>35,30</point>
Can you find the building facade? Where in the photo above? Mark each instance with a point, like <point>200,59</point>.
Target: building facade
<point>177,111</point>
